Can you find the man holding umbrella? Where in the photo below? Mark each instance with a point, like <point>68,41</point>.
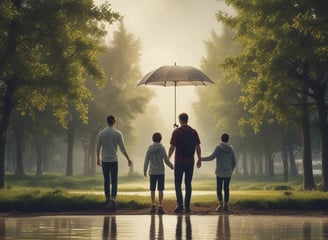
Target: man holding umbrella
<point>184,141</point>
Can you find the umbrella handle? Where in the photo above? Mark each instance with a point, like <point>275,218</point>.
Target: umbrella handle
<point>175,125</point>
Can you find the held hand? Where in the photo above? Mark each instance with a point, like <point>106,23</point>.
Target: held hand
<point>98,162</point>
<point>199,163</point>
<point>129,163</point>
<point>145,174</point>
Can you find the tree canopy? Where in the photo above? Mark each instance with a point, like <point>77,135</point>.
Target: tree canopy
<point>47,48</point>
<point>283,64</point>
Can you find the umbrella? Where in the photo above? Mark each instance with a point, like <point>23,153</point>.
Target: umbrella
<point>175,76</point>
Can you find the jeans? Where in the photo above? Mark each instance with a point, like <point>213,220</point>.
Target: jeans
<point>110,170</point>
<point>179,170</point>
<point>226,182</point>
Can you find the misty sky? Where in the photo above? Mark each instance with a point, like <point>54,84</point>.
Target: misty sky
<point>170,31</point>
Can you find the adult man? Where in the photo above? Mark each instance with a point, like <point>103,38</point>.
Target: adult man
<point>184,141</point>
<point>108,140</point>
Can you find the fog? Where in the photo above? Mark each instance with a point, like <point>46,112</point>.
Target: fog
<point>170,32</point>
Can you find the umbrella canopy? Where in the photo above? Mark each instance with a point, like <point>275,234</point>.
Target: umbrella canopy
<point>175,76</point>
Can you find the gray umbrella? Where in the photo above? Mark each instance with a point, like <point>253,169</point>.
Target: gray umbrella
<point>175,76</point>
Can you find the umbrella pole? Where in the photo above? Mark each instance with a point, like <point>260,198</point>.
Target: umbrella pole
<point>175,105</point>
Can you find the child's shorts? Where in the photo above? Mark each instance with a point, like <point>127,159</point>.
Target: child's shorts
<point>159,179</point>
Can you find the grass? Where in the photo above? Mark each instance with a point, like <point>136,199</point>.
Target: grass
<point>54,193</point>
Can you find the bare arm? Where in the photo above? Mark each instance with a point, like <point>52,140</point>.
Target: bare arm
<point>171,150</point>
<point>127,157</point>
<point>98,156</point>
<point>199,153</point>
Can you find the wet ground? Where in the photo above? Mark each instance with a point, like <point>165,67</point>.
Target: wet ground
<point>222,226</point>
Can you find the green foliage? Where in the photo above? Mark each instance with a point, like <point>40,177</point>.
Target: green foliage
<point>273,34</point>
<point>118,93</point>
<point>220,101</point>
<point>27,200</point>
<point>22,197</point>
<point>54,181</point>
<point>56,46</point>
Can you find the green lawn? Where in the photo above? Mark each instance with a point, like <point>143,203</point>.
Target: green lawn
<point>53,193</point>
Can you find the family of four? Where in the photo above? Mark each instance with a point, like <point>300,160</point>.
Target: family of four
<point>184,143</point>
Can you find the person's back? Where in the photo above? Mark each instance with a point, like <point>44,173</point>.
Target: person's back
<point>226,160</point>
<point>185,139</point>
<point>184,148</point>
<point>155,158</point>
<point>109,139</point>
<point>225,164</point>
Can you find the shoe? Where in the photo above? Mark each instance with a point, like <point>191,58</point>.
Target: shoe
<point>114,205</point>
<point>187,210</point>
<point>152,209</point>
<point>219,208</point>
<point>225,207</point>
<point>108,204</point>
<point>178,209</point>
<point>160,210</point>
<point>111,205</point>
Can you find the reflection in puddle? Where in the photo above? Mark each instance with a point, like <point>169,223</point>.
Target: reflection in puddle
<point>164,227</point>
<point>109,227</point>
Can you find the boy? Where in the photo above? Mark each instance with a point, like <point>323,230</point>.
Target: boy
<point>154,158</point>
<point>225,164</point>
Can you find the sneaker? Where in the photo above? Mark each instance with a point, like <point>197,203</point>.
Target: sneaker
<point>225,207</point>
<point>178,209</point>
<point>114,205</point>
<point>187,210</point>
<point>108,204</point>
<point>219,208</point>
<point>152,209</point>
<point>160,210</point>
<point>111,205</point>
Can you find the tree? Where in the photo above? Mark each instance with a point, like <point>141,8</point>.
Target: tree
<point>220,100</point>
<point>47,48</point>
<point>119,95</point>
<point>275,66</point>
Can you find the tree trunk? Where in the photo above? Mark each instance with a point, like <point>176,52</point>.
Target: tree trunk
<point>284,157</point>
<point>252,164</point>
<point>38,146</point>
<point>92,159</point>
<point>19,154</point>
<point>244,159</point>
<point>86,159</point>
<point>92,152</point>
<point>308,180</point>
<point>260,164</point>
<point>269,161</point>
<point>293,167</point>
<point>11,86</point>
<point>70,146</point>
<point>323,115</point>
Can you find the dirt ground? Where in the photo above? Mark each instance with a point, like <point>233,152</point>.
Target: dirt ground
<point>169,207</point>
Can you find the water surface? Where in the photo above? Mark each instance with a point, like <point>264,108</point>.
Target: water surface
<point>164,227</point>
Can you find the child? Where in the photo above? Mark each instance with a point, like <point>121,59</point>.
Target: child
<point>156,153</point>
<point>225,164</point>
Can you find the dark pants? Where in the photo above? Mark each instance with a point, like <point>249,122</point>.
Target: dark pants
<point>110,170</point>
<point>226,182</point>
<point>179,170</point>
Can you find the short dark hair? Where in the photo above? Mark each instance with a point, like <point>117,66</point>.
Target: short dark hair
<point>225,137</point>
<point>157,137</point>
<point>183,117</point>
<point>111,120</point>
